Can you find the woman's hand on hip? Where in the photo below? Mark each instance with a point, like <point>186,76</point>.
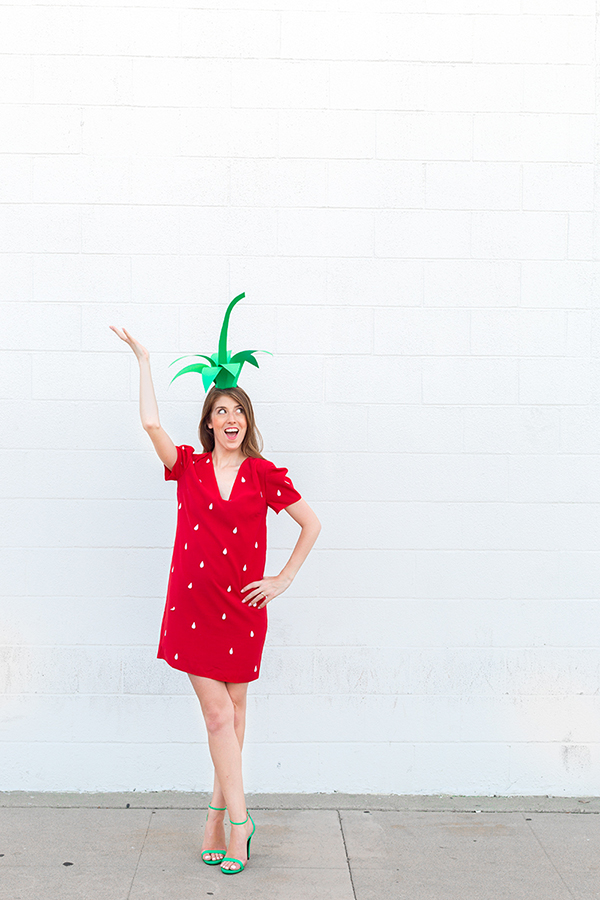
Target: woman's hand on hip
<point>263,591</point>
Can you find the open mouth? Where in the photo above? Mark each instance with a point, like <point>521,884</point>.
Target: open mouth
<point>231,433</point>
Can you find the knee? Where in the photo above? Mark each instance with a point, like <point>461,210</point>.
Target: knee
<point>219,718</point>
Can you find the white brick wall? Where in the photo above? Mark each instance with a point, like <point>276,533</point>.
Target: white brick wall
<point>408,198</point>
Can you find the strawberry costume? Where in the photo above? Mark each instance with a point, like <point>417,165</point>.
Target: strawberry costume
<point>220,547</point>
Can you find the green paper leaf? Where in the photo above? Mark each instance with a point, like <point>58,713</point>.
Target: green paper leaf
<point>209,375</point>
<point>196,367</point>
<point>234,368</point>
<point>209,359</point>
<point>245,356</point>
<point>223,336</point>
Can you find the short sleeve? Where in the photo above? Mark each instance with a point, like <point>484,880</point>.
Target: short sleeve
<point>184,458</point>
<point>280,492</point>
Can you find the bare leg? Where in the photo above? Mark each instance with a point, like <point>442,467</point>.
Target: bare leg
<point>238,694</point>
<point>224,710</point>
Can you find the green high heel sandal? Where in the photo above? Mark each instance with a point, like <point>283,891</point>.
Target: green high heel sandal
<point>238,861</point>
<point>213,862</point>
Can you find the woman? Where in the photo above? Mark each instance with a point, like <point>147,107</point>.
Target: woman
<point>215,619</point>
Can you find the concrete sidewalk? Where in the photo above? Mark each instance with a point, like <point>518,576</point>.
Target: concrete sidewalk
<point>331,847</point>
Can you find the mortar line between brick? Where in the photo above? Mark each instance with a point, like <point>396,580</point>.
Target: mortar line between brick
<point>346,852</point>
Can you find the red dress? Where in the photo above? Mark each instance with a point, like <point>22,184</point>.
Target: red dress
<point>220,546</point>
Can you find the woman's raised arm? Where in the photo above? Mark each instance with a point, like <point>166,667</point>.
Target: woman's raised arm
<point>163,444</point>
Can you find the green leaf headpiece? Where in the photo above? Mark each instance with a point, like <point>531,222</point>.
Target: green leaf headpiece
<point>221,367</point>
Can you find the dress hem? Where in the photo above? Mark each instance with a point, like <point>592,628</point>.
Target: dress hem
<point>207,675</point>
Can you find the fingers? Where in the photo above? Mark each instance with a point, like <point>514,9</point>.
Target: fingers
<point>252,584</point>
<point>260,594</point>
<point>263,601</point>
<point>118,332</point>
<point>255,588</point>
<point>123,334</point>
<point>257,594</point>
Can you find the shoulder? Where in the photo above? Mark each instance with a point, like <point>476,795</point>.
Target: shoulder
<point>189,457</point>
<point>260,465</point>
<point>185,459</point>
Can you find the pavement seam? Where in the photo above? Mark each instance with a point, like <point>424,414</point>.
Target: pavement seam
<point>422,809</point>
<point>545,852</point>
<point>137,865</point>
<point>346,852</point>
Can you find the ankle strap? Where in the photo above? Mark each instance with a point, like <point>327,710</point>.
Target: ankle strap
<point>217,808</point>
<point>240,823</point>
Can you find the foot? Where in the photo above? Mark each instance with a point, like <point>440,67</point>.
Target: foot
<point>214,836</point>
<point>238,844</point>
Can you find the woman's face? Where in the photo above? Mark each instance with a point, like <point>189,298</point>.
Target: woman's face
<point>228,422</point>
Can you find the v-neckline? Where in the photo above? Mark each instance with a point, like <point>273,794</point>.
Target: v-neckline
<point>212,466</point>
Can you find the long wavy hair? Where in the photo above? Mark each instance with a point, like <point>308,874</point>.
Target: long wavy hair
<point>252,443</point>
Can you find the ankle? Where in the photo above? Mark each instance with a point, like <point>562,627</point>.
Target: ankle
<point>239,823</point>
<point>216,812</point>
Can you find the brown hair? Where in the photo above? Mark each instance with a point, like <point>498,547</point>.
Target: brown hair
<point>252,444</point>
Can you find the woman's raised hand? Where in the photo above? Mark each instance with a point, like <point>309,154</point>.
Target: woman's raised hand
<point>139,350</point>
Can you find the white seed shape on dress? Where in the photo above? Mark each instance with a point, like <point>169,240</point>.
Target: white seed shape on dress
<point>244,569</point>
<point>279,493</point>
<point>256,545</point>
<point>193,624</point>
<point>207,461</point>
<point>190,584</point>
<point>224,616</point>
<point>251,634</point>
<point>165,633</point>
<point>229,589</point>
<point>235,530</point>
<point>179,507</point>
<point>202,564</point>
<point>177,657</point>
<point>256,668</point>
<point>173,569</point>
<point>210,506</point>
<point>231,650</point>
<point>224,551</point>
<point>195,527</point>
<point>172,608</point>
<point>185,546</point>
<point>243,480</point>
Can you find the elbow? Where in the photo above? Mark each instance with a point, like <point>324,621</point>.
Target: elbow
<point>150,426</point>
